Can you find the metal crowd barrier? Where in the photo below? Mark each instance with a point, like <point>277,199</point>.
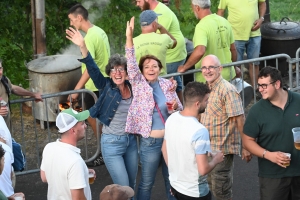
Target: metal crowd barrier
<point>52,135</point>
<point>276,57</point>
<point>39,148</point>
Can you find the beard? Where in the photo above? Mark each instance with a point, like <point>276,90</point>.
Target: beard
<point>196,15</point>
<point>201,110</point>
<point>146,6</point>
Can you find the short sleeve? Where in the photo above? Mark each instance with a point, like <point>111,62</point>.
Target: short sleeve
<point>251,126</point>
<point>222,4</point>
<point>233,104</point>
<point>200,37</point>
<point>200,141</point>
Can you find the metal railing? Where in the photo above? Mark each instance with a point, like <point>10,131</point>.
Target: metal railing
<point>86,148</point>
<point>49,131</point>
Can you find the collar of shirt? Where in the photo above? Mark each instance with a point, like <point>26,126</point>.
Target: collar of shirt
<point>215,83</point>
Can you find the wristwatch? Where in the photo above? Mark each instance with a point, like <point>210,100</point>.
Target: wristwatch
<point>263,19</point>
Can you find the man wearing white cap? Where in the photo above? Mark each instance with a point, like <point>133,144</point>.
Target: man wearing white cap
<point>62,166</point>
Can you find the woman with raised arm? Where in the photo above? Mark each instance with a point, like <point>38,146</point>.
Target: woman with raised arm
<point>148,113</point>
<point>119,148</point>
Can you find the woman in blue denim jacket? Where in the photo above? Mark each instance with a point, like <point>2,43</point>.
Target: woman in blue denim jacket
<point>119,149</point>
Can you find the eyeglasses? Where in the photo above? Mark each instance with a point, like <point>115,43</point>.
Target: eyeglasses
<point>114,70</point>
<point>209,68</point>
<point>264,86</point>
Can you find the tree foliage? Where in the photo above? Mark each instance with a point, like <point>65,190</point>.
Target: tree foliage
<point>16,28</point>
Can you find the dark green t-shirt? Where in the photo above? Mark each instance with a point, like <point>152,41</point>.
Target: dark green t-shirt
<point>272,127</point>
<point>2,196</point>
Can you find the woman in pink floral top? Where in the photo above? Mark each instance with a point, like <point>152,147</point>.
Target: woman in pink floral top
<point>148,112</point>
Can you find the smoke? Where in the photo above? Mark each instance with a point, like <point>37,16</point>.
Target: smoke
<point>95,9</point>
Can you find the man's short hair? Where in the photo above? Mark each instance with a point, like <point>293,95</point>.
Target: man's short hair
<point>205,4</point>
<point>78,9</point>
<point>272,72</point>
<point>194,91</point>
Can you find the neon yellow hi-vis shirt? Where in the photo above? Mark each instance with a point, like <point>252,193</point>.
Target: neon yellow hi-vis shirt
<point>153,44</point>
<point>215,33</point>
<point>97,43</point>
<point>242,15</point>
<point>170,22</point>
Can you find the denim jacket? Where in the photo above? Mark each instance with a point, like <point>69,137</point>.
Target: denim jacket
<point>110,96</point>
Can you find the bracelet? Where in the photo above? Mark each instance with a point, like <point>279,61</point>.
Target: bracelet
<point>265,151</point>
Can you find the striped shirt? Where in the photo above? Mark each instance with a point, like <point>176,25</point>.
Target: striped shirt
<point>224,104</point>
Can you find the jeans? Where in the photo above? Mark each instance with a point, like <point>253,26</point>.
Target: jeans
<point>172,68</point>
<point>120,154</point>
<point>150,158</point>
<point>252,48</point>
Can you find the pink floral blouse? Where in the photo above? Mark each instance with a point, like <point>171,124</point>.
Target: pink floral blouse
<point>139,118</point>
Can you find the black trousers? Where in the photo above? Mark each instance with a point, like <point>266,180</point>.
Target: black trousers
<point>180,196</point>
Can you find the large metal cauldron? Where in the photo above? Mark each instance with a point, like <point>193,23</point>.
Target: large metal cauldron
<point>280,37</point>
<point>52,74</point>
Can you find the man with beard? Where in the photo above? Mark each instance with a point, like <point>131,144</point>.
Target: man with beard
<point>224,119</point>
<point>176,56</point>
<point>186,144</point>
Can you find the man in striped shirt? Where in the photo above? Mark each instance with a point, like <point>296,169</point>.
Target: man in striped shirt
<point>224,119</point>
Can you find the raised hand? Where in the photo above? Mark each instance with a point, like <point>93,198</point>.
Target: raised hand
<point>130,28</point>
<point>75,36</point>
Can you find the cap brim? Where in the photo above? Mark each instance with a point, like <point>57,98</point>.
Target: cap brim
<point>83,115</point>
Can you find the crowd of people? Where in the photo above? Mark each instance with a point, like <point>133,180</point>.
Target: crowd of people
<point>192,131</point>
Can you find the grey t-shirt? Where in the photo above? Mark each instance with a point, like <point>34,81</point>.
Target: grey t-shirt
<point>117,125</point>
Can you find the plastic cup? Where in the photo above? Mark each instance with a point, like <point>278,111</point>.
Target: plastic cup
<point>18,197</point>
<point>296,134</point>
<point>91,178</point>
<point>288,163</point>
<point>170,107</point>
<point>214,152</point>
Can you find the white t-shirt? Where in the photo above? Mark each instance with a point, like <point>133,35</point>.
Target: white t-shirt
<point>4,132</point>
<point>65,170</point>
<point>5,177</point>
<point>185,137</point>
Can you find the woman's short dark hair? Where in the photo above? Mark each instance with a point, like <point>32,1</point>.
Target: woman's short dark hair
<point>116,60</point>
<point>144,58</point>
<point>2,152</point>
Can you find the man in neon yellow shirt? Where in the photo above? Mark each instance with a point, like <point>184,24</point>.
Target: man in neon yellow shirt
<point>213,35</point>
<point>150,42</point>
<point>97,43</point>
<point>176,56</point>
<point>246,17</point>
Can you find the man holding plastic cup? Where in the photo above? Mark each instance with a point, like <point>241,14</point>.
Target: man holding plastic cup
<point>62,166</point>
<point>268,135</point>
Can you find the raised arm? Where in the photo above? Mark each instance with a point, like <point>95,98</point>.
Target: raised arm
<point>133,70</point>
<point>92,68</point>
<point>163,30</point>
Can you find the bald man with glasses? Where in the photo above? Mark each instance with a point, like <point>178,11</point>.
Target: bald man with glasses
<point>224,119</point>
